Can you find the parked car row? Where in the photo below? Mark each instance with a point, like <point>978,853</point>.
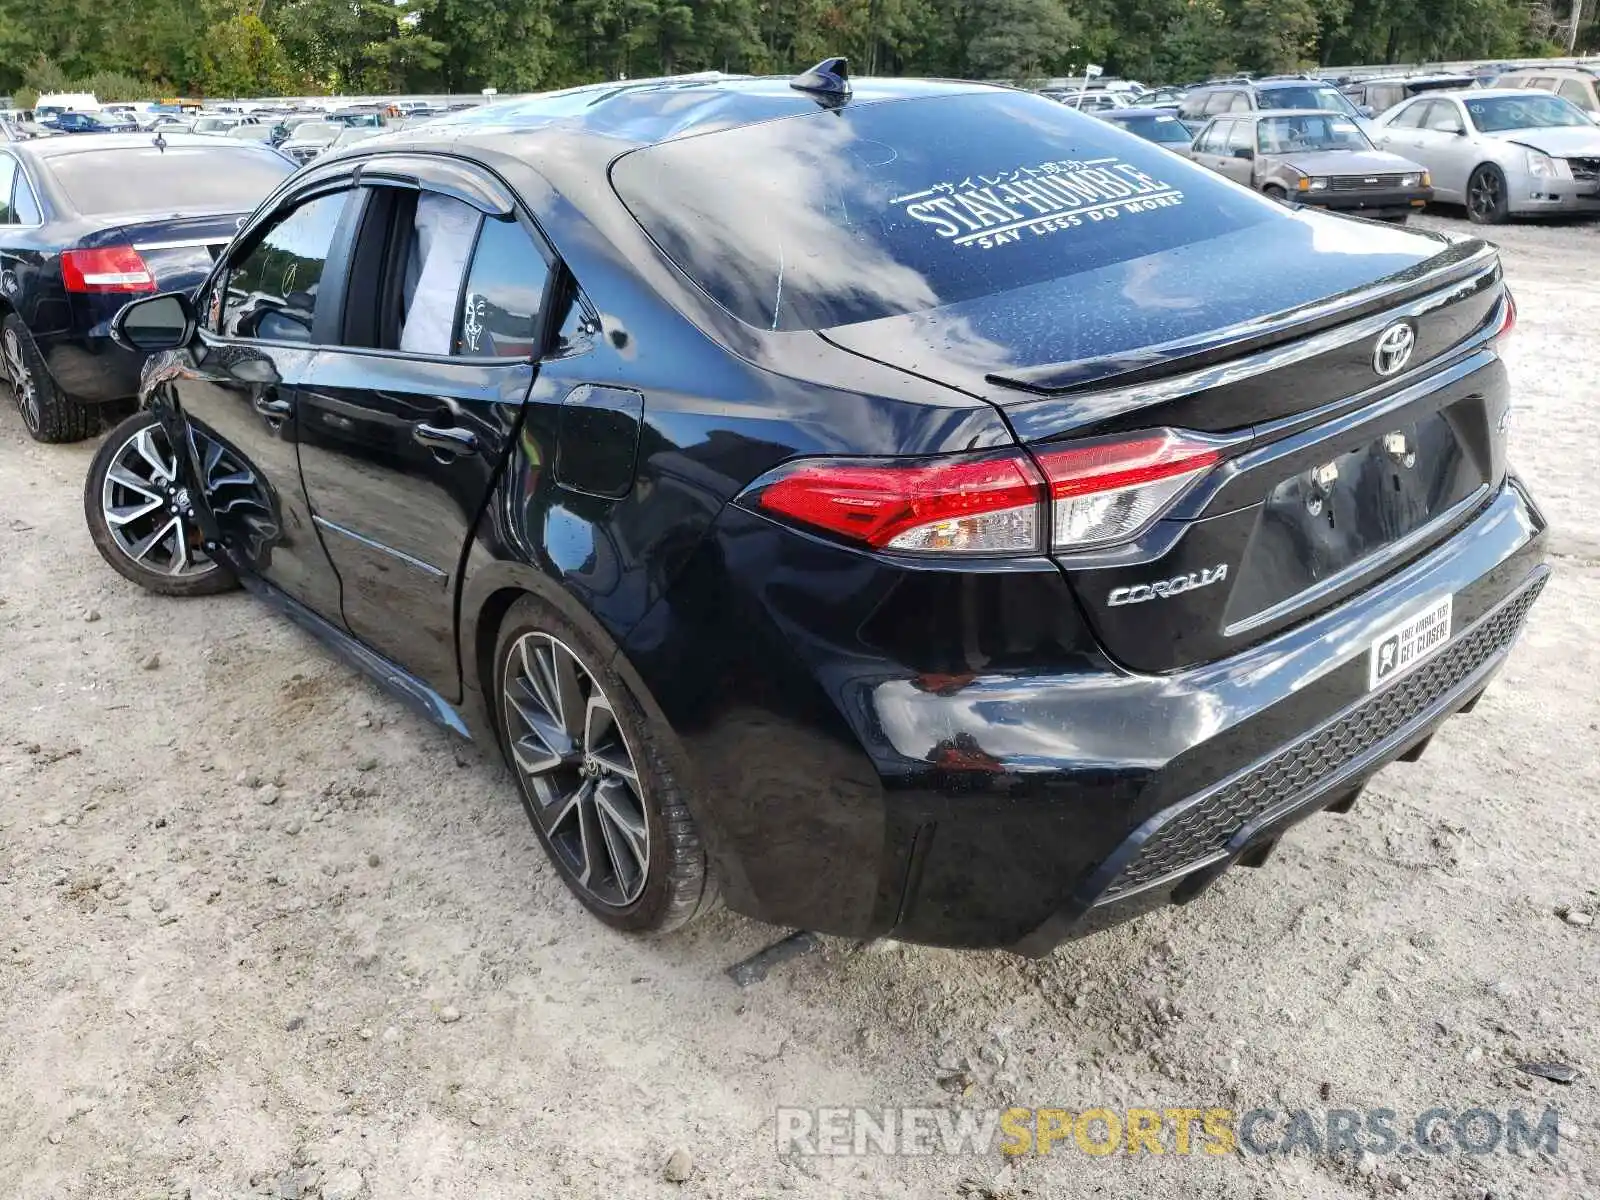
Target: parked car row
<point>1500,152</point>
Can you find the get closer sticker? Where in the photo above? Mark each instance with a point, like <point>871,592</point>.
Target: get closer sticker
<point>985,211</point>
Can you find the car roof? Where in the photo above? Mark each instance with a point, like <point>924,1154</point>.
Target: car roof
<point>1586,72</point>
<point>644,112</point>
<point>1148,111</point>
<point>1492,93</point>
<point>1290,112</point>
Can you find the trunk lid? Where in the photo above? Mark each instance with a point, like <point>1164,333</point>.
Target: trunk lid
<point>1337,474</point>
<point>179,251</point>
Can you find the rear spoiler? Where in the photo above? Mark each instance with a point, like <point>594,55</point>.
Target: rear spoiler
<point>1460,261</point>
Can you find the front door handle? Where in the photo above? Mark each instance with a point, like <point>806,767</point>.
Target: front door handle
<point>273,407</point>
<point>450,439</point>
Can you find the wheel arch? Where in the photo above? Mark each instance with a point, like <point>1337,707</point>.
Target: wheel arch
<point>487,595</point>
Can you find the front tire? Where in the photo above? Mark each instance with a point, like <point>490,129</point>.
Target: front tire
<point>48,413</point>
<point>1488,198</point>
<point>141,517</point>
<point>1273,192</point>
<point>594,777</point>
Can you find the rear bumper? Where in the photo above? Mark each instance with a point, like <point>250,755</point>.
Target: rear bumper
<point>994,807</point>
<point>91,367</point>
<point>1178,852</point>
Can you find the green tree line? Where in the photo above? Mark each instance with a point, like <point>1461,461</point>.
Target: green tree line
<point>217,48</point>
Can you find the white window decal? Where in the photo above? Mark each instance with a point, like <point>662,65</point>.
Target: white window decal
<point>472,322</point>
<point>987,211</point>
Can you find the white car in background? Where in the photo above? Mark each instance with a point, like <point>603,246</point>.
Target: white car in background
<point>1502,152</point>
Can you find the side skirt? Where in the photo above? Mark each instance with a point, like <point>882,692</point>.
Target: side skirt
<point>396,680</point>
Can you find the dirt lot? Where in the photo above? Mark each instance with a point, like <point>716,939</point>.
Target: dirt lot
<point>360,977</point>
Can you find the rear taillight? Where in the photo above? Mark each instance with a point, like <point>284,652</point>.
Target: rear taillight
<point>106,269</point>
<point>1109,491</point>
<point>1508,318</point>
<point>1088,495</point>
<point>987,504</point>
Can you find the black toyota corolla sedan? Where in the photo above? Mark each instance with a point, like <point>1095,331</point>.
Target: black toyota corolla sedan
<point>85,223</point>
<point>916,510</point>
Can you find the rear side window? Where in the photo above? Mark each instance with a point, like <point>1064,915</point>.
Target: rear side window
<point>272,292</point>
<point>444,232</point>
<point>24,205</point>
<point>1578,92</point>
<point>880,209</point>
<point>1411,116</point>
<point>8,175</point>
<point>505,287</point>
<point>223,178</point>
<point>1167,130</point>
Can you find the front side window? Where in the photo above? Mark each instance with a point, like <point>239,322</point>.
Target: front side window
<point>1239,137</point>
<point>500,309</point>
<point>271,293</point>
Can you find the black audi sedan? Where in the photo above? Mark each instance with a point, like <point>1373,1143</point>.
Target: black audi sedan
<point>88,222</point>
<point>915,509</point>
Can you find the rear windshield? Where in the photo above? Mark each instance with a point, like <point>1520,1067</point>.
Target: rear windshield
<point>899,207</point>
<point>1158,129</point>
<point>223,178</point>
<point>1308,96</point>
<point>314,131</point>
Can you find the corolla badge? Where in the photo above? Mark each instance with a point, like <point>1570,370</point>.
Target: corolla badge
<point>1165,588</point>
<point>1394,347</point>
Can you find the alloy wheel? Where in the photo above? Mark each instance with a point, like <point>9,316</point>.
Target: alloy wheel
<point>23,387</point>
<point>1485,194</point>
<point>148,510</point>
<point>576,765</point>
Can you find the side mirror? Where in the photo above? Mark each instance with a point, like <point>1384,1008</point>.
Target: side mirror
<point>164,322</point>
<point>1367,111</point>
<point>1460,131</point>
<point>1244,152</point>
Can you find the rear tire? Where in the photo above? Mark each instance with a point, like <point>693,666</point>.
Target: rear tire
<point>1488,199</point>
<point>594,777</point>
<point>48,413</point>
<point>141,517</point>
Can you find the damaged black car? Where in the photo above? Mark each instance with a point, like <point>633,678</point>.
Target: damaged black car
<point>893,508</point>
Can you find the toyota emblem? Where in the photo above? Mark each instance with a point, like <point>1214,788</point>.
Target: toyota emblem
<point>1394,348</point>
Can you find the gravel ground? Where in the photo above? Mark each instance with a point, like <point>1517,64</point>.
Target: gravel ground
<point>262,932</point>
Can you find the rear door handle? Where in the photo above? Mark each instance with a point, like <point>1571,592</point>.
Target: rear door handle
<point>451,439</point>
